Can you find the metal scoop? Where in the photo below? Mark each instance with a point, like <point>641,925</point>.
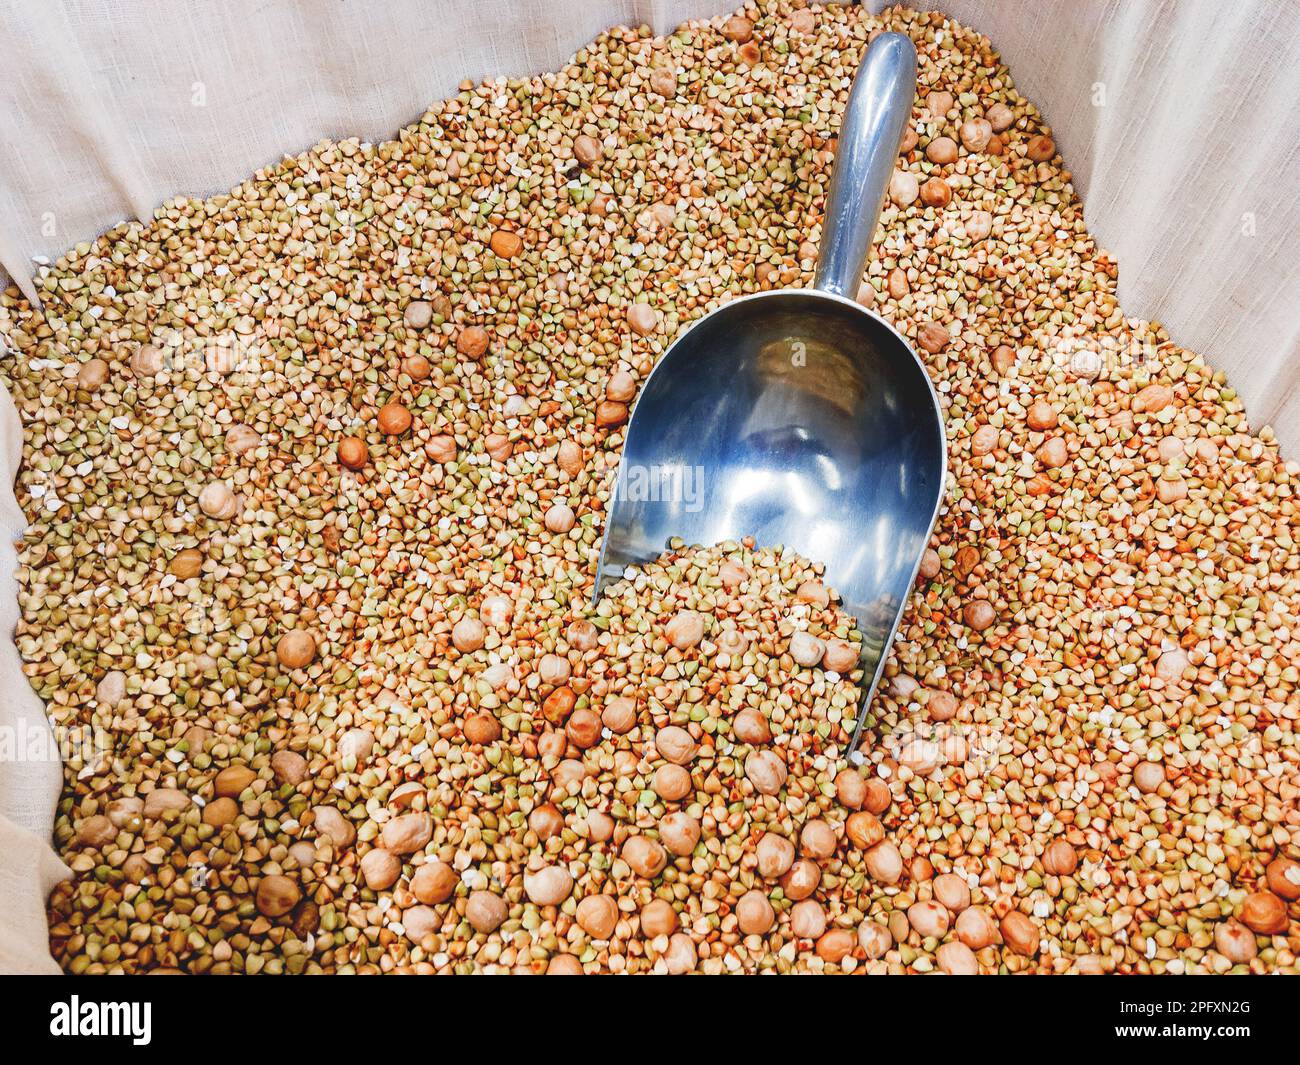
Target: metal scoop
<point>798,417</point>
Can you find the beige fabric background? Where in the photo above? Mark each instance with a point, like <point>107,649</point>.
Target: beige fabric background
<point>29,778</point>
<point>1179,120</point>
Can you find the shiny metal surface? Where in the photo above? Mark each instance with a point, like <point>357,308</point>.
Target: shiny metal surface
<point>798,417</point>
<point>875,117</point>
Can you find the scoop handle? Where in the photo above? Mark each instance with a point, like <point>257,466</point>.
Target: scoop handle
<point>880,103</point>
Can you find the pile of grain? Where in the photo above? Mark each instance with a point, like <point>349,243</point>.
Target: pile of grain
<point>316,475</point>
